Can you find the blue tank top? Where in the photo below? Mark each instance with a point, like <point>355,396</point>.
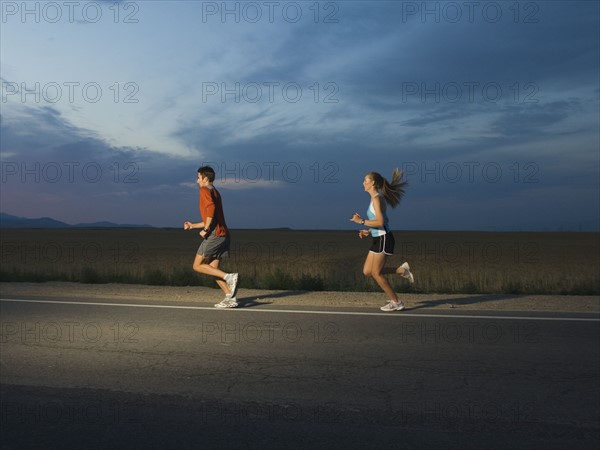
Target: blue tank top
<point>378,231</point>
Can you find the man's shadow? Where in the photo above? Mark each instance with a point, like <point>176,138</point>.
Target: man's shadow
<point>249,302</point>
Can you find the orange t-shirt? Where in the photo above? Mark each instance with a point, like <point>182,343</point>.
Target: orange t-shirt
<point>211,206</point>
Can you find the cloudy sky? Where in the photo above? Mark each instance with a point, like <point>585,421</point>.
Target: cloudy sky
<point>490,108</point>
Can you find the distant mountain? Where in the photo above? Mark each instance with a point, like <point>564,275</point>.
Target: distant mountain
<point>8,221</point>
<point>109,225</point>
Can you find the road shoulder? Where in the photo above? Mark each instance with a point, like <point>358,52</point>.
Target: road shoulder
<point>367,300</point>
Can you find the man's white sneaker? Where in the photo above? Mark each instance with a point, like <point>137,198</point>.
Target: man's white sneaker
<point>227,302</point>
<point>407,273</point>
<point>232,281</point>
<point>393,306</point>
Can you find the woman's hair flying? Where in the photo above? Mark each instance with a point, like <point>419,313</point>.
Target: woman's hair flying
<point>392,191</point>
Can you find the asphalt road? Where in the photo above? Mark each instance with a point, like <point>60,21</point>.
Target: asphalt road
<point>127,374</point>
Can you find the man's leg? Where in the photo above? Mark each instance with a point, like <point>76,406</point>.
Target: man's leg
<point>221,282</point>
<point>202,265</point>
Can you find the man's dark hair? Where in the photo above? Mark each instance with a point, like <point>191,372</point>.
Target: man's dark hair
<point>208,172</point>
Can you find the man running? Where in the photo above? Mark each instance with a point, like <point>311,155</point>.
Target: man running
<point>216,237</point>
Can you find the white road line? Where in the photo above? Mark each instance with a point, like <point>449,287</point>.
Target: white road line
<point>295,311</point>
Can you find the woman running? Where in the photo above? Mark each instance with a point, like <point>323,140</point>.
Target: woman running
<point>382,193</point>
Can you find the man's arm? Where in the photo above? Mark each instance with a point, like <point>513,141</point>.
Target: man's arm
<point>187,225</point>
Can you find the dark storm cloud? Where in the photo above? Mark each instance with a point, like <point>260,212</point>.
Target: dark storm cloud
<point>495,123</point>
<point>63,170</point>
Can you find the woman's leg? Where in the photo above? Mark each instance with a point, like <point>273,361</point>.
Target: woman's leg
<point>374,267</point>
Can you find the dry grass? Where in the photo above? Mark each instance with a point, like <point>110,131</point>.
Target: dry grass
<point>443,262</point>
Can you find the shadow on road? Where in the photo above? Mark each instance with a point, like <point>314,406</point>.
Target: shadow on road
<point>248,302</point>
<point>463,301</point>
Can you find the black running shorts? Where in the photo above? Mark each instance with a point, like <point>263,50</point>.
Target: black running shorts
<point>383,244</point>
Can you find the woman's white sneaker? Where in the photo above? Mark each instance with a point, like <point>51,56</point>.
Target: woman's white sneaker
<point>407,273</point>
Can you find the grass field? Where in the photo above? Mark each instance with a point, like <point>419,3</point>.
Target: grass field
<point>443,262</point>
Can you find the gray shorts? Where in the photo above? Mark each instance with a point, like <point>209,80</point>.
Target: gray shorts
<point>214,247</point>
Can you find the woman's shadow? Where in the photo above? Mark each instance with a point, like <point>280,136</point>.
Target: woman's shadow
<point>249,302</point>
<point>463,301</point>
